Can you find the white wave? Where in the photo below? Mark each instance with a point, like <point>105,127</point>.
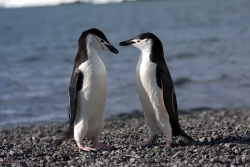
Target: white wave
<point>33,3</point>
<point>101,1</point>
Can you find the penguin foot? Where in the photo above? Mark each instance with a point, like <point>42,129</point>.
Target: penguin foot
<point>150,140</point>
<point>103,146</point>
<point>98,145</point>
<point>168,144</point>
<point>85,148</point>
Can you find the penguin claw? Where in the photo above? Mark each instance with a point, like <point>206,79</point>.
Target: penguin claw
<point>98,145</point>
<point>87,149</point>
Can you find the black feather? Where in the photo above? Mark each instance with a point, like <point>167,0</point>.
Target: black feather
<point>184,136</point>
<point>64,139</point>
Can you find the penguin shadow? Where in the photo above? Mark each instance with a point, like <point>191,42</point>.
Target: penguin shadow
<point>205,141</point>
<point>236,139</point>
<point>177,142</point>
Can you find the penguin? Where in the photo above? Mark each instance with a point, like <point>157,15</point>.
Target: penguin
<point>156,90</point>
<point>87,91</point>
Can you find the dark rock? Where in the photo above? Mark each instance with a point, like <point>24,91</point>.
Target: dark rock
<point>221,143</point>
<point>230,156</point>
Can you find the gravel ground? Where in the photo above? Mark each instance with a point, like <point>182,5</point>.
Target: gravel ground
<point>223,139</point>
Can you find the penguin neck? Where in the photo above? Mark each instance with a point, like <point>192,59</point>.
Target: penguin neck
<point>91,47</point>
<point>145,55</point>
<point>92,53</point>
<point>146,48</point>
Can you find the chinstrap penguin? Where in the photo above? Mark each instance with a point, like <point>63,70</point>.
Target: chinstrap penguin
<point>156,89</point>
<point>87,91</point>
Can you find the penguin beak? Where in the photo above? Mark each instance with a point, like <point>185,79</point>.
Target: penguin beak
<point>126,43</point>
<point>112,48</point>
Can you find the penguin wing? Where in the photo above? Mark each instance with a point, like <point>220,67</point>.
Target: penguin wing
<point>74,87</point>
<point>169,97</point>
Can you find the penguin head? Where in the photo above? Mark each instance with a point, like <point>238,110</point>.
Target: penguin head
<point>147,43</point>
<point>96,39</point>
<point>144,42</point>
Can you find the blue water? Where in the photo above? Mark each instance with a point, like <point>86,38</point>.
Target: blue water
<point>206,44</point>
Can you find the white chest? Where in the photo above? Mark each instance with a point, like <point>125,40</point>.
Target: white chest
<point>94,71</point>
<point>146,73</point>
<point>149,92</point>
<point>94,88</point>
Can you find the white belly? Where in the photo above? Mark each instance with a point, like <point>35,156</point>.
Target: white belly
<point>92,98</point>
<point>151,96</point>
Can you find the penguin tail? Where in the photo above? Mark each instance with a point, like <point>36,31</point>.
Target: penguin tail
<point>186,137</point>
<point>63,139</point>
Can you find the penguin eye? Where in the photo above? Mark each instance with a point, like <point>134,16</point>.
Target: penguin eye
<point>102,41</point>
<point>138,41</point>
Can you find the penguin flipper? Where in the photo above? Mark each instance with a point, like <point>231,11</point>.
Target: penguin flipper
<point>74,87</point>
<point>170,102</point>
<point>169,96</point>
<point>171,106</point>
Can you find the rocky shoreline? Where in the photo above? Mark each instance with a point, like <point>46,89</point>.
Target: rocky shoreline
<point>223,139</point>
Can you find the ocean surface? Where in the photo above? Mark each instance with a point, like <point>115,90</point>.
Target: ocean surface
<point>36,3</point>
<point>206,45</point>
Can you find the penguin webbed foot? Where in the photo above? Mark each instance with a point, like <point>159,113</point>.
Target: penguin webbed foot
<point>150,141</point>
<point>98,145</point>
<point>103,146</point>
<point>85,148</point>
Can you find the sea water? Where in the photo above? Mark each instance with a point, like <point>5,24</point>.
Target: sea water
<point>206,45</point>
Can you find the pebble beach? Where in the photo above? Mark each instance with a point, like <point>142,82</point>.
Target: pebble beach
<point>222,139</point>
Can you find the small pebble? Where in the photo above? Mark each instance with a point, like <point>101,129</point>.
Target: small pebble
<point>218,143</point>
<point>230,156</point>
<point>12,152</point>
<point>132,160</point>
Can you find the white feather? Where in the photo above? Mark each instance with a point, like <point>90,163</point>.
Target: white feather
<point>92,98</point>
<point>151,96</point>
